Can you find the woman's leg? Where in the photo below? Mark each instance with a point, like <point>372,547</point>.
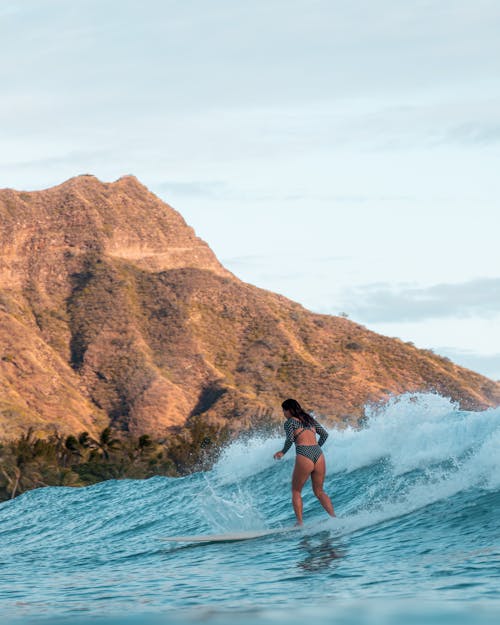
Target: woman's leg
<point>317,479</point>
<point>301,471</point>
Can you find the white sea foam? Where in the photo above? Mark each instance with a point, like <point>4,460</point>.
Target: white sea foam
<point>244,458</point>
<point>412,431</point>
<point>228,512</point>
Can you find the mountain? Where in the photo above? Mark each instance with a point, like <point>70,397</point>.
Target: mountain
<point>112,310</point>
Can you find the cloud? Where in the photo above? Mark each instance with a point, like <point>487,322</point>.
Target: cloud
<point>276,259</point>
<point>486,364</point>
<point>284,272</point>
<point>72,158</point>
<point>432,122</point>
<point>474,133</point>
<point>382,303</point>
<point>192,187</point>
<point>9,10</point>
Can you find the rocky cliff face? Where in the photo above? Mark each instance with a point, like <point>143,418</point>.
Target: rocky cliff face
<point>112,310</point>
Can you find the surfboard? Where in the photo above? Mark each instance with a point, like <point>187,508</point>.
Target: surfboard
<point>226,538</point>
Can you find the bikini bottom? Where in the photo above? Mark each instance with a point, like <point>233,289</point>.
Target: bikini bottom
<point>313,452</point>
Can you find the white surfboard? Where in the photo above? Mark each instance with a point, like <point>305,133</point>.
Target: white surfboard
<point>225,538</point>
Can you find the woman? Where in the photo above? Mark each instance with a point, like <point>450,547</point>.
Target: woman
<point>301,429</point>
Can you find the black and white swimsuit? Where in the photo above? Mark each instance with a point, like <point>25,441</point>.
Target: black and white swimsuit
<point>313,452</point>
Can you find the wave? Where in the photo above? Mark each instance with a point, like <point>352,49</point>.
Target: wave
<point>416,450</point>
<point>417,488</point>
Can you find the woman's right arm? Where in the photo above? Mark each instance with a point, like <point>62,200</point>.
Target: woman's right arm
<point>323,434</point>
<point>289,436</point>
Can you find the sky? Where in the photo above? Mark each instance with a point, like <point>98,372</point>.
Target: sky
<point>342,153</point>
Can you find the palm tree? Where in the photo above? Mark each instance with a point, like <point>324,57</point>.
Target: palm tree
<point>107,443</point>
<point>12,476</point>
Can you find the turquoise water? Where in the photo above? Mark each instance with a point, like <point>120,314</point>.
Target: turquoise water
<point>417,539</point>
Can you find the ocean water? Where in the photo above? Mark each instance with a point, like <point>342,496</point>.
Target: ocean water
<point>417,538</point>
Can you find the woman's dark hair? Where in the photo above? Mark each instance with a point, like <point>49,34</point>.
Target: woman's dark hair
<point>295,409</point>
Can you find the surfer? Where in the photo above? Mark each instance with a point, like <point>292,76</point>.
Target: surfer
<point>301,428</point>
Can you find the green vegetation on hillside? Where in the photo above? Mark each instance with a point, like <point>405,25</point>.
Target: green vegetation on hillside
<point>31,462</point>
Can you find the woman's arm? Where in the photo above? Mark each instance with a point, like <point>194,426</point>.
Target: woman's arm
<point>323,434</point>
<point>289,429</point>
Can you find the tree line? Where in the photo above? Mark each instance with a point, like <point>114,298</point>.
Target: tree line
<point>31,461</point>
